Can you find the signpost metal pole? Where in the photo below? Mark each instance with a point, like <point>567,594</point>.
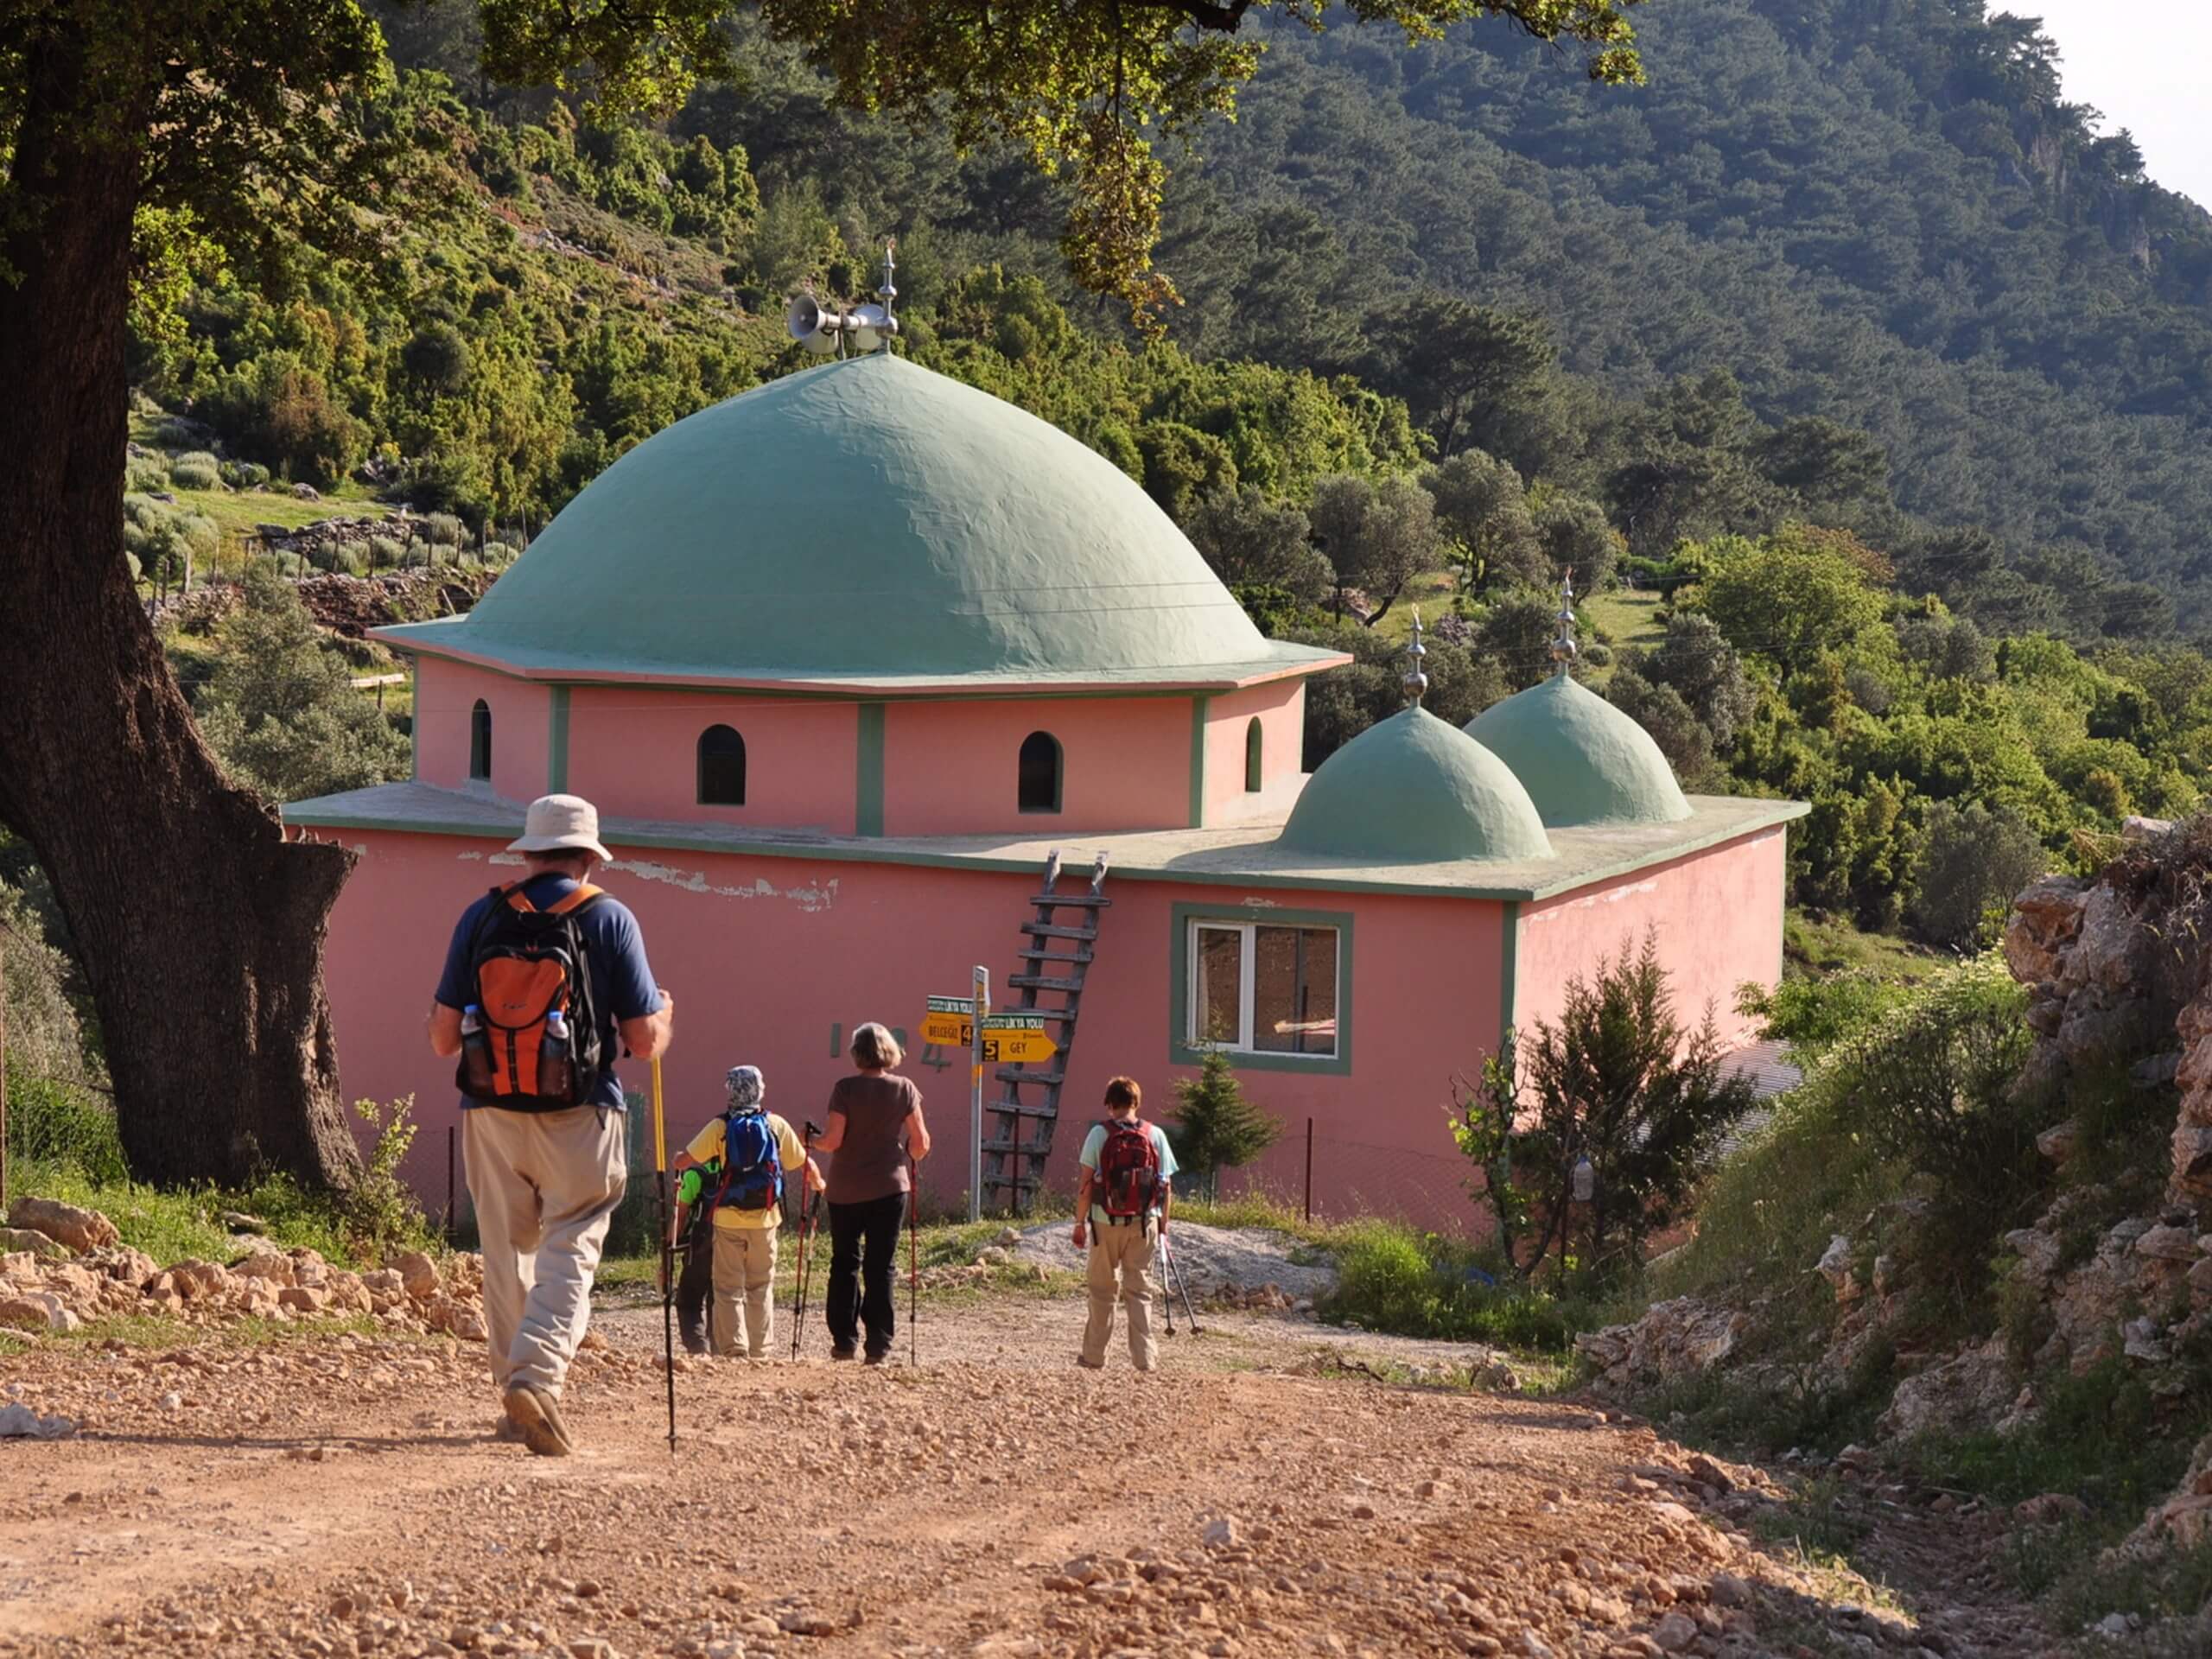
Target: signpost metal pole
<point>975,1098</point>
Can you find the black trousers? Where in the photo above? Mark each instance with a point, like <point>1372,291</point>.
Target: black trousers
<point>697,1281</point>
<point>863,1254</point>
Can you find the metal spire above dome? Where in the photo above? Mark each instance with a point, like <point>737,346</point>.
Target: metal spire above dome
<point>1564,649</point>
<point>1416,682</point>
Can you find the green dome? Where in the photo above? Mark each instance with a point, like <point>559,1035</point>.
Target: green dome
<point>864,520</point>
<point>1415,790</point>
<point>1582,760</point>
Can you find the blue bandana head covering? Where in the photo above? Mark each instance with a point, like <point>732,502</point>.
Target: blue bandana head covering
<point>748,1087</point>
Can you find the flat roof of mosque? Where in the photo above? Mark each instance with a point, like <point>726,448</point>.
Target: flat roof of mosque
<point>1244,854</point>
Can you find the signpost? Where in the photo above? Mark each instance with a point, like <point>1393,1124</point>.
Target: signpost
<point>990,1039</point>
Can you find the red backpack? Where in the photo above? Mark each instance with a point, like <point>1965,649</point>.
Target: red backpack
<point>1129,1170</point>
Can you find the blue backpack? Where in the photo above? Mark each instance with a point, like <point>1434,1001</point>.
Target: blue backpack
<point>753,1169</point>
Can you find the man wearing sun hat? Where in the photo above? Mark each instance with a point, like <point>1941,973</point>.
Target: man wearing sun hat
<point>544,1175</point>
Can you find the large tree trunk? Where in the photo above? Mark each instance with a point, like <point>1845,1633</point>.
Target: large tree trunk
<point>201,930</point>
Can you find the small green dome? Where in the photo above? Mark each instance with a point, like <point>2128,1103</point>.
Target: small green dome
<point>866,518</point>
<point>1581,760</point>
<point>1413,790</point>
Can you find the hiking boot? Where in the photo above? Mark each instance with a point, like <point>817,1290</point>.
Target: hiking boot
<point>538,1419</point>
<point>694,1343</point>
<point>841,1353</point>
<point>875,1355</point>
<point>1091,1364</point>
<point>506,1431</point>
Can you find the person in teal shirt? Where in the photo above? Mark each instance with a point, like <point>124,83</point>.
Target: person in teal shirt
<point>1122,1203</point>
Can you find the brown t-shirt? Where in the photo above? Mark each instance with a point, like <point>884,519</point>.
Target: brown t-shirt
<point>871,1162</point>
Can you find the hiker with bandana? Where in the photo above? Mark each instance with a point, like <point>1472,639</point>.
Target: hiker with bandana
<point>755,1149</point>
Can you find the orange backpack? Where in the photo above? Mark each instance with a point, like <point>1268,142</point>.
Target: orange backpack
<point>532,1040</point>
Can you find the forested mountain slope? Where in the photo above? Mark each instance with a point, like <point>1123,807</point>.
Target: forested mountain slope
<point>1879,213</point>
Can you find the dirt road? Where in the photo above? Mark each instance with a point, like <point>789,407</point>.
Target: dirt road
<point>343,1495</point>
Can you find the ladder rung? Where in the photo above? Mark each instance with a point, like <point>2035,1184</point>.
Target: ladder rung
<point>1054,930</point>
<point>1079,957</point>
<point>1066,1016</point>
<point>1042,1079</point>
<point>1022,1182</point>
<point>1023,1108</point>
<point>1027,1149</point>
<point>1078,900</point>
<point>1044,982</point>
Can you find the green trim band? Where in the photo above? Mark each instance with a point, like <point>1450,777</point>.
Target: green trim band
<point>1199,707</point>
<point>557,742</point>
<point>867,780</point>
<point>1509,970</point>
<point>1181,1051</point>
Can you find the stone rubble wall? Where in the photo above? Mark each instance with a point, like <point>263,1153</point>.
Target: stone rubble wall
<point>82,1271</point>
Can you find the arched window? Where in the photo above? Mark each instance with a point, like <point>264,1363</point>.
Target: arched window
<point>1040,773</point>
<point>480,740</point>
<point>1252,742</point>
<point>721,767</point>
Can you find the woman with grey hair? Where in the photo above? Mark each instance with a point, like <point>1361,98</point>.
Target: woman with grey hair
<point>875,1128</point>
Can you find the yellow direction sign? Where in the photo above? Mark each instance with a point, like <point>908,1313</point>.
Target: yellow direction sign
<point>1009,1038</point>
<point>1012,1039</point>
<point>949,1021</point>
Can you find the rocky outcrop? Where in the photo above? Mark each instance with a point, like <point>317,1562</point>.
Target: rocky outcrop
<point>1672,1339</point>
<point>65,1223</point>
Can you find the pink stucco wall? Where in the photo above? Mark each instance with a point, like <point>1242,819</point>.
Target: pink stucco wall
<point>951,768</point>
<point>445,693</point>
<point>1279,706</point>
<point>633,752</point>
<point>1718,917</point>
<point>774,961</point>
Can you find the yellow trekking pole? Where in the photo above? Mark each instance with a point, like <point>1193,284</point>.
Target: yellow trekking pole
<point>667,1256</point>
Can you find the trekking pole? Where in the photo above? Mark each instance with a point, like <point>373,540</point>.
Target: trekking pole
<point>809,1204</point>
<point>913,1262</point>
<point>1175,1272</point>
<point>1167,1284</point>
<point>667,1256</point>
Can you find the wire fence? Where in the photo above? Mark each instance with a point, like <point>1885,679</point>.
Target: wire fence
<point>1329,1178</point>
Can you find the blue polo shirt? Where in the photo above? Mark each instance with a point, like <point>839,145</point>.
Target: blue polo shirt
<point>622,985</point>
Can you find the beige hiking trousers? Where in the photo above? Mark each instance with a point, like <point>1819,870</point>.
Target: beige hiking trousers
<point>1125,1252</point>
<point>745,1308</point>
<point>544,1185</point>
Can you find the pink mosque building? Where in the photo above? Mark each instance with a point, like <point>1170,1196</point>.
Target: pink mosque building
<point>846,660</point>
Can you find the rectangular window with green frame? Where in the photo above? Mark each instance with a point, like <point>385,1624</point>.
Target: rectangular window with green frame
<point>1271,988</point>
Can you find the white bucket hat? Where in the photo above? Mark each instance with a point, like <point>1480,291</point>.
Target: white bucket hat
<point>557,822</point>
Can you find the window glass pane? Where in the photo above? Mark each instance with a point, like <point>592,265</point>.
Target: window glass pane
<point>1295,990</point>
<point>1217,974</point>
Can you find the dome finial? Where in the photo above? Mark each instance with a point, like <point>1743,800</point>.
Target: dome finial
<point>1416,682</point>
<point>889,292</point>
<point>1563,647</point>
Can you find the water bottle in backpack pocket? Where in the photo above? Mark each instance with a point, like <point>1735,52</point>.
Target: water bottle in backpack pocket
<point>475,1053</point>
<point>555,1073</point>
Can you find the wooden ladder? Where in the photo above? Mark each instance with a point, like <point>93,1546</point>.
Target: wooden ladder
<point>1013,1161</point>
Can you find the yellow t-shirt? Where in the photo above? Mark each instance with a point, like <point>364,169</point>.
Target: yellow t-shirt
<point>707,1145</point>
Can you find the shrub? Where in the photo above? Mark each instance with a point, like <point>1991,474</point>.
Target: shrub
<point>141,476</point>
<point>197,470</point>
<point>380,1210</point>
<point>244,474</point>
<point>443,529</point>
<point>384,550</point>
<point>1972,862</point>
<point>1391,1279</point>
<point>56,1122</point>
<point>1615,1114</point>
<point>1215,1128</point>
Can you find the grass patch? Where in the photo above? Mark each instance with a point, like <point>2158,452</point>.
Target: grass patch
<point>170,1224</point>
<point>1817,1520</point>
<point>1624,617</point>
<point>1818,944</point>
<point>1394,1280</point>
<point>1433,592</point>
